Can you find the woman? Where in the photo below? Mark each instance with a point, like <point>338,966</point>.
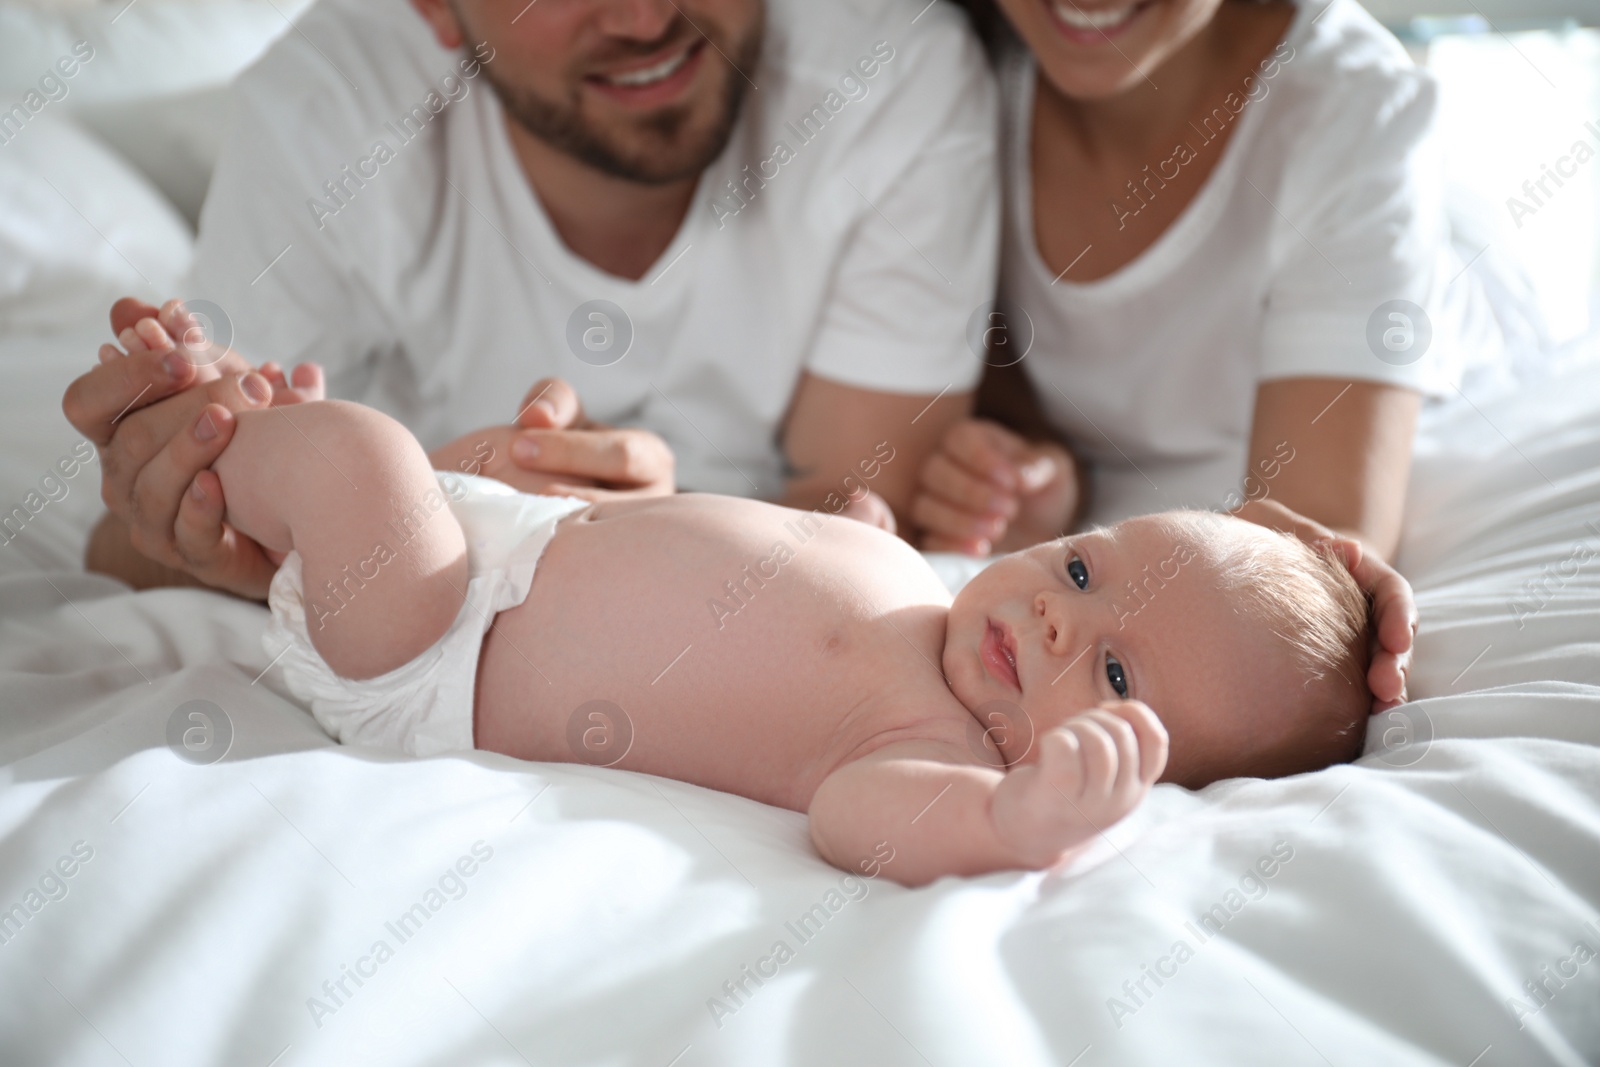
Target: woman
<point>1224,223</point>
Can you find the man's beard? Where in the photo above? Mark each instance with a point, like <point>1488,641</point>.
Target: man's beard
<point>657,150</point>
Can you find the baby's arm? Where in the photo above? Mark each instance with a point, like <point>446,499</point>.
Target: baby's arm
<point>383,559</point>
<point>942,812</point>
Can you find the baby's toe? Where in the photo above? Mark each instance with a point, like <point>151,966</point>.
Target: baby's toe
<point>173,317</point>
<point>154,336</point>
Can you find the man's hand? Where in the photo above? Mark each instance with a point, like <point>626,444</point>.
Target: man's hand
<point>553,449</point>
<point>1394,609</point>
<point>1092,770</point>
<point>986,489</point>
<point>160,413</point>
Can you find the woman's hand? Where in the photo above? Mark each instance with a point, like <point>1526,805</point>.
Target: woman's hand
<point>160,413</point>
<point>987,490</point>
<point>1394,610</point>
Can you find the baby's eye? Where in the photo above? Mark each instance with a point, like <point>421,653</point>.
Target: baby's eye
<point>1078,572</point>
<point>1116,676</point>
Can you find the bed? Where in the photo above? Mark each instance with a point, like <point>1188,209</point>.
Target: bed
<point>192,873</point>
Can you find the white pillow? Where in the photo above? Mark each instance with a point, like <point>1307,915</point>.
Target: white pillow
<point>143,50</point>
<point>79,228</point>
<point>150,77</point>
<point>174,140</point>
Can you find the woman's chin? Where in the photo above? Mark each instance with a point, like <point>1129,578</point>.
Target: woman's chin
<point>1088,83</point>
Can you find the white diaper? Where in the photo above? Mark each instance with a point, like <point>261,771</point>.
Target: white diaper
<point>423,707</point>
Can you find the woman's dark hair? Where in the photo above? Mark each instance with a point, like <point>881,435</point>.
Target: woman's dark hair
<point>986,20</point>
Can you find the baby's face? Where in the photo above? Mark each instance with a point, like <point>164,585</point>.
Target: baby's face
<point>1133,611</point>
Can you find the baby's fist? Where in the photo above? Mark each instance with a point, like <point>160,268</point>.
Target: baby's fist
<point>1106,759</point>
<point>1092,770</point>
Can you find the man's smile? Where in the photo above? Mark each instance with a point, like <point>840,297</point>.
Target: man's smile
<point>657,80</point>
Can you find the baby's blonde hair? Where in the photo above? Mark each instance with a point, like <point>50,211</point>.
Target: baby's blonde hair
<point>1307,597</point>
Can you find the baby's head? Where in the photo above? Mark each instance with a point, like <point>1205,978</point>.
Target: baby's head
<point>1250,646</point>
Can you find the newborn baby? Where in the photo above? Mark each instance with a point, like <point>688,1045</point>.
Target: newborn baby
<point>797,658</point>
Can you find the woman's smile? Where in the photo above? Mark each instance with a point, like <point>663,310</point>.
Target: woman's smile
<point>1092,26</point>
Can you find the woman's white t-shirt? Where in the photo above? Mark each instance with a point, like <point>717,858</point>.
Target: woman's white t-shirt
<point>1325,208</point>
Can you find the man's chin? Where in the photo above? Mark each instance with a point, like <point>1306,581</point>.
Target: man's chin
<point>657,147</point>
<point>670,145</point>
<point>650,159</point>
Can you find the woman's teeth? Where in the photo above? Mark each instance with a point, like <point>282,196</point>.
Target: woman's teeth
<point>1080,19</point>
<point>649,75</point>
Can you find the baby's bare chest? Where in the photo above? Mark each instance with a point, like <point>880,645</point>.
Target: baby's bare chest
<point>745,649</point>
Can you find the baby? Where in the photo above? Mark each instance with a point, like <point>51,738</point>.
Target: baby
<point>796,658</point>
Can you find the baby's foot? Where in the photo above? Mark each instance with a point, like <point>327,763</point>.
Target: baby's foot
<point>189,335</point>
<point>193,339</point>
<point>174,329</point>
<point>1091,771</point>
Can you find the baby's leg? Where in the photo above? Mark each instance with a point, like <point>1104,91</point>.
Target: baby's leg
<point>353,492</point>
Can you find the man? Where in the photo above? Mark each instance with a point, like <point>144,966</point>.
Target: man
<point>750,233</point>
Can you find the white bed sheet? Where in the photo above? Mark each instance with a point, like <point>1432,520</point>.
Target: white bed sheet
<point>1427,883</point>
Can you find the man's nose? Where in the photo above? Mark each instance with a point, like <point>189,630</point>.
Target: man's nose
<point>640,20</point>
<point>1050,609</point>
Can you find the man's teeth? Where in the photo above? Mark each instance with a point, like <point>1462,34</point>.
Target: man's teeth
<point>647,75</point>
<point>1092,20</point>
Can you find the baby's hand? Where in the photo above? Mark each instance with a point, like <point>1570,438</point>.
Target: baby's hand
<point>1091,771</point>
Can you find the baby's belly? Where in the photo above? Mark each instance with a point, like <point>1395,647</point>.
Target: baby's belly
<point>725,642</point>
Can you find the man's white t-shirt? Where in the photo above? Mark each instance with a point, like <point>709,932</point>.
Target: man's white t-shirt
<point>369,213</point>
<point>1325,206</point>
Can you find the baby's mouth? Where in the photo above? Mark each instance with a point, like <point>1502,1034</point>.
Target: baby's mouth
<point>998,653</point>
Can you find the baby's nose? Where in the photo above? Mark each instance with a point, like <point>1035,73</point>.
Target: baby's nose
<point>1056,622</point>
